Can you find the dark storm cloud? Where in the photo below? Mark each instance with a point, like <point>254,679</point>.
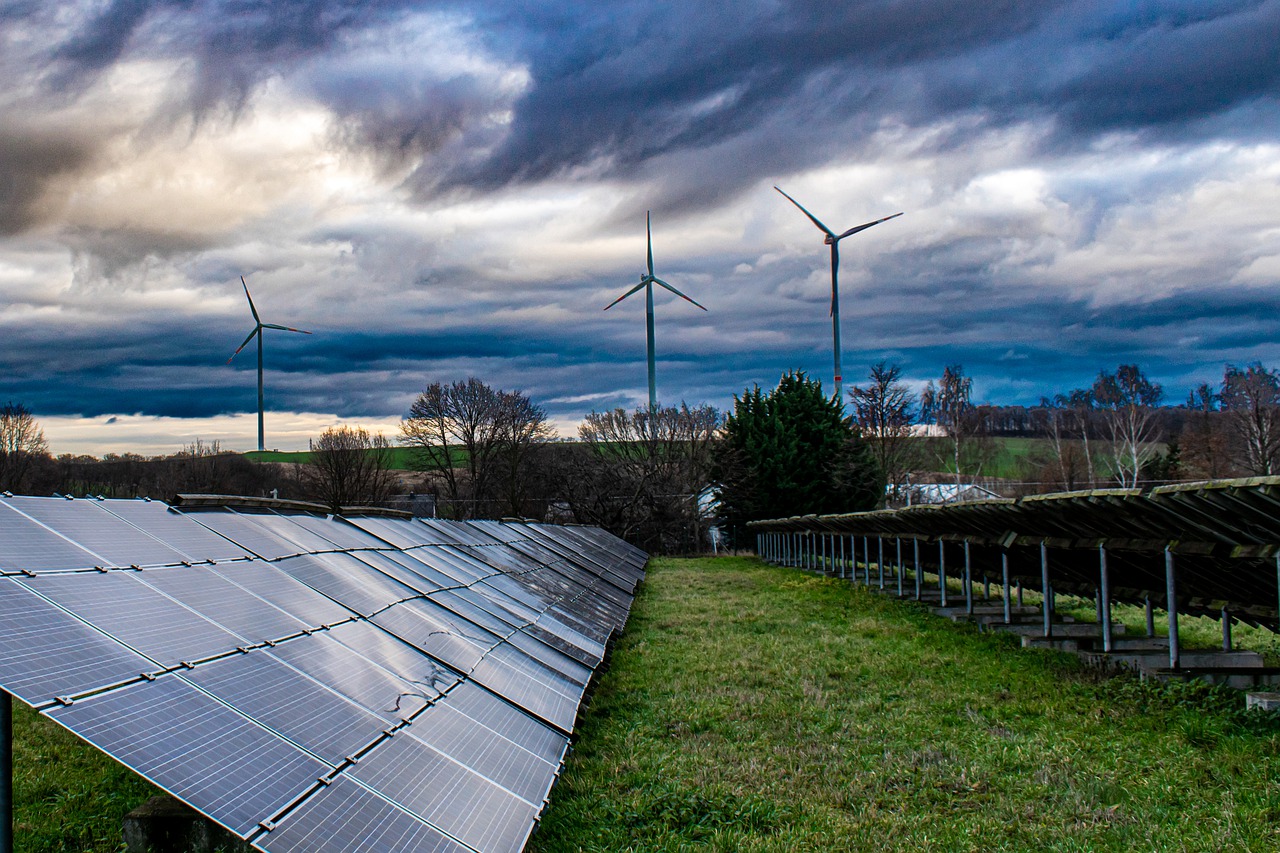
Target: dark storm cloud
<point>31,159</point>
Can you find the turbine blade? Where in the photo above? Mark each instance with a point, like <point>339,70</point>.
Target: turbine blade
<point>812,218</point>
<point>649,234</point>
<point>284,328</point>
<point>256,318</point>
<point>642,283</point>
<point>257,330</point>
<point>866,226</point>
<point>677,293</point>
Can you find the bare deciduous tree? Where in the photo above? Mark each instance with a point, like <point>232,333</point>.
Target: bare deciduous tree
<point>1127,400</point>
<point>22,446</point>
<point>884,411</point>
<point>349,467</point>
<point>949,404</point>
<point>1204,437</point>
<point>478,440</point>
<point>1252,397</point>
<point>641,474</point>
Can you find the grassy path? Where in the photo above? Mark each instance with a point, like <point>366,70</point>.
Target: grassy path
<point>756,708</point>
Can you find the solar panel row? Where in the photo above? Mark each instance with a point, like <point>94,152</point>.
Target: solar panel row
<point>310,682</point>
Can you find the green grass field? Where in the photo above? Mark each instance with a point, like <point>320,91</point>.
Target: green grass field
<point>750,707</point>
<point>756,708</point>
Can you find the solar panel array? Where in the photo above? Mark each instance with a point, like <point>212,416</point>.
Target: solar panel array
<point>1224,537</point>
<point>315,682</point>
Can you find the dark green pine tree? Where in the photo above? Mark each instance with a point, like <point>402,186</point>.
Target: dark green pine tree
<point>792,452</point>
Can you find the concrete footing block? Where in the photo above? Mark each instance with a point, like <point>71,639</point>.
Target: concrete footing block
<point>1262,701</point>
<point>167,825</point>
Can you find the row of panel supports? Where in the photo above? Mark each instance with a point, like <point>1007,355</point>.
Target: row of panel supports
<point>837,554</point>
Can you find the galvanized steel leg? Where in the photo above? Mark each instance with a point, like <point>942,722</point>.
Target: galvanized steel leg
<point>968,582</point>
<point>866,559</point>
<point>880,559</point>
<point>917,551</point>
<point>899,569</point>
<point>1151,616</point>
<point>1045,592</point>
<point>942,570</point>
<point>1019,593</point>
<point>6,772</point>
<point>1171,593</point>
<point>1104,599</point>
<point>1004,576</point>
<point>1226,630</point>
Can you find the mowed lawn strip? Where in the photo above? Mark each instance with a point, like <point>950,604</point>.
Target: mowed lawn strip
<point>749,707</point>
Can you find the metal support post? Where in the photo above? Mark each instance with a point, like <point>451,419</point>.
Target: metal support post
<point>899,569</point>
<point>1045,592</point>
<point>1151,616</point>
<point>1171,599</point>
<point>942,570</point>
<point>1226,630</point>
<point>880,559</point>
<point>6,772</point>
<point>968,582</point>
<point>866,559</point>
<point>1004,575</point>
<point>917,550</point>
<point>1019,587</point>
<point>1104,598</point>
<point>842,560</point>
<point>986,587</point>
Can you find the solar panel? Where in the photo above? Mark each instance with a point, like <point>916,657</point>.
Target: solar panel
<point>458,800</point>
<point>93,528</point>
<point>222,602</point>
<point>140,617</point>
<point>195,747</point>
<point>348,817</point>
<point>289,703</point>
<point>30,546</point>
<point>176,530</point>
<point>305,680</point>
<point>49,653</point>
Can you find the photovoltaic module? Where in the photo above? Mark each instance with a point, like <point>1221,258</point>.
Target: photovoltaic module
<point>313,682</point>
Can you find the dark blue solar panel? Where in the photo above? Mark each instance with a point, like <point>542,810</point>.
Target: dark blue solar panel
<point>226,766</point>
<point>287,702</point>
<point>297,599</point>
<point>375,644</point>
<point>489,753</point>
<point>139,616</point>
<point>459,801</point>
<point>219,600</point>
<point>348,817</point>
<point>365,682</point>
<point>242,530</point>
<point>48,653</point>
<point>176,530</point>
<point>89,525</point>
<point>347,580</point>
<point>437,632</point>
<point>507,720</point>
<point>29,546</point>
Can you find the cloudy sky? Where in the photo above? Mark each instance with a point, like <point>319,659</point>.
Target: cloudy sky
<point>438,190</point>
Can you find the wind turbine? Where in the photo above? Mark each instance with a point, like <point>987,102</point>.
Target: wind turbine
<point>647,281</point>
<point>257,330</point>
<point>833,240</point>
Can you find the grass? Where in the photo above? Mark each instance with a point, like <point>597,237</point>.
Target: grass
<point>755,708</point>
<point>68,797</point>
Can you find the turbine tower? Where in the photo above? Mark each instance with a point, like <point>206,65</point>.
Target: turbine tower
<point>833,239</point>
<point>257,330</point>
<point>647,281</point>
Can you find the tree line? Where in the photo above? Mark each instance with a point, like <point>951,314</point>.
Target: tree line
<point>664,478</point>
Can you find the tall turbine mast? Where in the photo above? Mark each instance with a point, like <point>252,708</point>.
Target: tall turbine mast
<point>257,330</point>
<point>833,239</point>
<point>647,281</point>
